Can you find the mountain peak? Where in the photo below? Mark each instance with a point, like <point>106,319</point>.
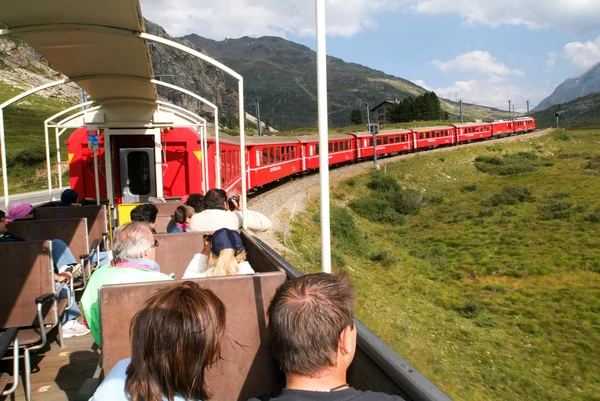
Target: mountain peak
<point>576,86</point>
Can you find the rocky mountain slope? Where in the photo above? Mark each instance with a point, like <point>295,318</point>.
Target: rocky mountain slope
<point>574,87</point>
<point>579,113</point>
<point>282,74</point>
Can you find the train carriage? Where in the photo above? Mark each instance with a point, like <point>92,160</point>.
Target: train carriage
<point>429,137</point>
<point>522,125</point>
<point>502,128</point>
<point>472,131</point>
<point>271,158</point>
<point>341,149</point>
<point>387,142</point>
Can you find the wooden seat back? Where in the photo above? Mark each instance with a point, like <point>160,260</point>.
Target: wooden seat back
<point>26,274</point>
<point>164,222</point>
<point>175,251</point>
<point>97,217</point>
<point>167,207</point>
<point>72,231</point>
<point>247,367</point>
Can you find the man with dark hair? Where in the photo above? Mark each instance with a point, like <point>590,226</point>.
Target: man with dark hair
<point>196,201</point>
<point>145,213</point>
<point>311,319</point>
<point>218,214</point>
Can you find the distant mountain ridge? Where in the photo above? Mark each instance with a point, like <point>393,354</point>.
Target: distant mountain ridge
<point>579,113</point>
<point>574,87</point>
<point>283,74</point>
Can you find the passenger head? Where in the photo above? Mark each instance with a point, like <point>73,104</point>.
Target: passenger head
<point>226,253</point>
<point>311,321</point>
<point>215,199</point>
<point>133,241</point>
<point>196,201</point>
<point>183,214</point>
<point>174,338</point>
<point>19,211</point>
<point>69,197</point>
<point>3,222</point>
<point>145,213</point>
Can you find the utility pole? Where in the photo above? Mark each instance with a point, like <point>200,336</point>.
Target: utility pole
<point>514,114</point>
<point>528,108</point>
<point>257,102</point>
<point>509,116</point>
<point>374,130</point>
<point>557,119</point>
<point>368,117</point>
<point>461,112</point>
<point>82,98</point>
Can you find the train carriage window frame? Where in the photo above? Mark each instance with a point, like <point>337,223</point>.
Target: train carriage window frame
<point>421,135</point>
<point>277,154</point>
<point>336,146</point>
<point>272,155</point>
<point>371,142</point>
<point>385,140</point>
<point>379,141</point>
<point>427,135</point>
<point>138,165</point>
<point>316,149</point>
<point>330,147</point>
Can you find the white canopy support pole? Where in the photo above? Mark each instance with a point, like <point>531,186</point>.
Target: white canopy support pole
<point>96,177</point>
<point>205,156</point>
<point>323,136</point>
<point>48,166</point>
<point>3,148</point>
<point>58,161</point>
<point>243,153</point>
<point>218,152</point>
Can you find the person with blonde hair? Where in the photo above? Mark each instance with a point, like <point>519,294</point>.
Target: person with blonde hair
<point>223,255</point>
<point>175,338</point>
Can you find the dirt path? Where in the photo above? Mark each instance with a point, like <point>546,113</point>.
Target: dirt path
<point>282,203</point>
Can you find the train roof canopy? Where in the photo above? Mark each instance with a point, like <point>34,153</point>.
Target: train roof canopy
<point>94,43</point>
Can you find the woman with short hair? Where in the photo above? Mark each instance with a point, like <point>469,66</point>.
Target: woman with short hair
<point>174,338</point>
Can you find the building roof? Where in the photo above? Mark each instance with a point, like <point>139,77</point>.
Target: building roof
<point>384,102</point>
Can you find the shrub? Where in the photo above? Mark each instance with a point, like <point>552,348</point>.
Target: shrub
<point>383,183</point>
<point>376,210</point>
<point>512,196</point>
<point>406,201</point>
<point>521,162</point>
<point>30,156</point>
<point>469,188</point>
<point>384,258</point>
<point>561,136</point>
<point>593,163</point>
<point>593,217</point>
<point>351,182</point>
<point>556,210</point>
<point>337,259</point>
<point>435,200</point>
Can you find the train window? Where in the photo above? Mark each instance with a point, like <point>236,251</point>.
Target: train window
<point>379,141</point>
<point>336,146</point>
<point>421,135</point>
<point>330,147</point>
<point>347,145</point>
<point>427,135</point>
<point>272,155</point>
<point>277,154</point>
<point>371,142</point>
<point>402,138</point>
<point>265,156</point>
<point>317,150</point>
<point>138,169</point>
<point>385,140</point>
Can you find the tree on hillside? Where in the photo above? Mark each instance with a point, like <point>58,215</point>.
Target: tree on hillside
<point>356,117</point>
<point>420,108</point>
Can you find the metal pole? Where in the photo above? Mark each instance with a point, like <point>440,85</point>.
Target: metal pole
<point>58,167</point>
<point>3,148</point>
<point>368,117</point>
<point>96,178</point>
<point>323,136</point>
<point>243,152</point>
<point>258,114</point>
<point>509,116</point>
<point>218,151</point>
<point>556,120</point>
<point>528,108</point>
<point>461,112</point>
<point>374,146</point>
<point>48,166</point>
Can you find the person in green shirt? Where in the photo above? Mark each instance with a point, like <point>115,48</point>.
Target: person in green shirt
<point>134,253</point>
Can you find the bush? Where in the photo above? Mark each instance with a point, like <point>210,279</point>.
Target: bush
<point>435,200</point>
<point>383,183</point>
<point>521,162</point>
<point>561,136</point>
<point>384,258</point>
<point>376,210</point>
<point>351,182</point>
<point>593,217</point>
<point>593,163</point>
<point>469,188</point>
<point>512,196</point>
<point>31,156</point>
<point>556,210</point>
<point>406,201</point>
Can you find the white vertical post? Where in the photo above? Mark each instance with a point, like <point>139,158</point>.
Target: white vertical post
<point>323,136</point>
<point>158,170</point>
<point>48,166</point>
<point>58,167</point>
<point>3,149</point>
<point>218,151</point>
<point>96,177</point>
<point>243,152</point>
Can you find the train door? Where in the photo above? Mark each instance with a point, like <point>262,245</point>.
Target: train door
<point>137,174</point>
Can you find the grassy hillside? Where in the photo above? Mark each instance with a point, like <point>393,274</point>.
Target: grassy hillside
<point>480,266</point>
<point>579,113</point>
<point>25,147</point>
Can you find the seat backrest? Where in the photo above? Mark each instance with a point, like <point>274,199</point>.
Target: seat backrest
<point>26,274</point>
<point>175,251</point>
<point>97,217</point>
<point>247,367</point>
<point>167,207</point>
<point>164,222</point>
<point>72,231</point>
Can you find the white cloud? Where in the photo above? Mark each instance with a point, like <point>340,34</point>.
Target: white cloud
<point>235,18</point>
<point>494,92</point>
<point>421,83</point>
<point>583,55</point>
<point>477,61</point>
<point>575,16</point>
<point>551,62</point>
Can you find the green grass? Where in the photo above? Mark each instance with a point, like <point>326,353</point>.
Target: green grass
<point>25,147</point>
<point>484,290</point>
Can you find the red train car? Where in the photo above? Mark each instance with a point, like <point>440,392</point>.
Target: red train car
<point>342,149</point>
<point>388,142</point>
<point>428,137</point>
<point>524,124</point>
<point>271,158</point>
<point>472,131</point>
<point>502,128</point>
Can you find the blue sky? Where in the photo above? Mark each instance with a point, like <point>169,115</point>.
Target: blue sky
<point>483,51</point>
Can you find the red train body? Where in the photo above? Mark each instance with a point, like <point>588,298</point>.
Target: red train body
<point>268,158</point>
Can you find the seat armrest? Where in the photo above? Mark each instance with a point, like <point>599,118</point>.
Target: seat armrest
<point>6,339</point>
<point>95,244</point>
<point>42,299</point>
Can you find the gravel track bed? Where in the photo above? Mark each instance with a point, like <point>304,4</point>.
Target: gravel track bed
<point>286,200</point>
